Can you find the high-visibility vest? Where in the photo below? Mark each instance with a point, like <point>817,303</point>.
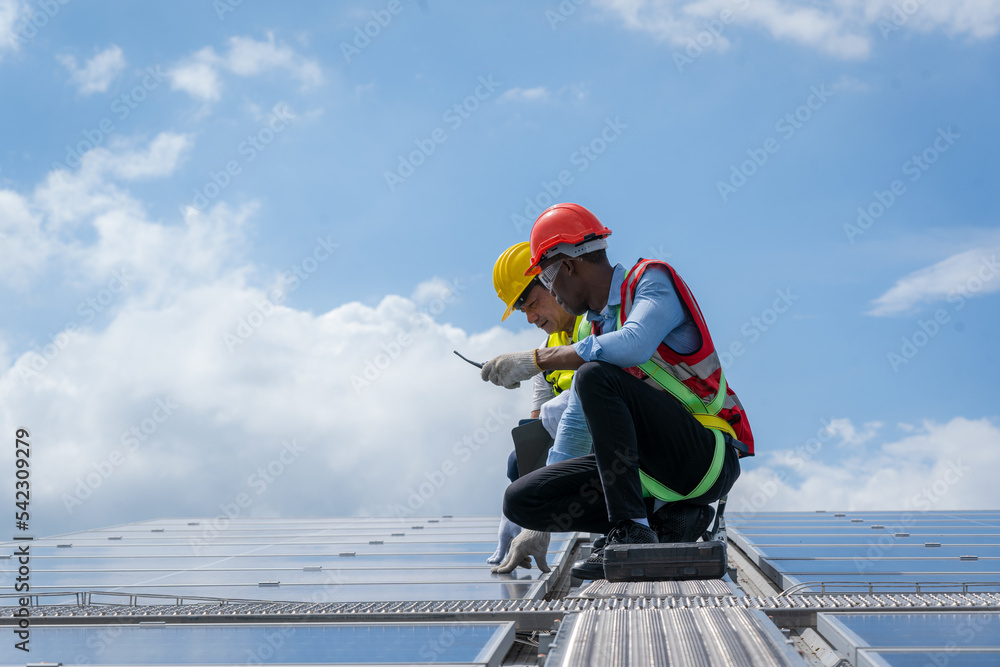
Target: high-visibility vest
<point>560,381</point>
<point>696,380</point>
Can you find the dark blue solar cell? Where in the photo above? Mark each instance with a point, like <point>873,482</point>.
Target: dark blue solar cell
<point>881,658</point>
<point>414,643</point>
<point>924,629</point>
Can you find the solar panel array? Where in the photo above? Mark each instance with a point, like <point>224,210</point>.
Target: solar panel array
<point>302,560</point>
<point>881,588</point>
<point>928,553</point>
<point>874,551</point>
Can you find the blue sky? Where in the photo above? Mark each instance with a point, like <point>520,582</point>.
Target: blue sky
<point>216,219</point>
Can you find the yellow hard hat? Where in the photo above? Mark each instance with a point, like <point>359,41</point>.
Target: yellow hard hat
<point>508,275</point>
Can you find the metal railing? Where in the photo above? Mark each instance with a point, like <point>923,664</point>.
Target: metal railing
<point>86,598</point>
<point>873,587</point>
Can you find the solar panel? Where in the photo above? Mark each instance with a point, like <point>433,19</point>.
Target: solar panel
<point>879,551</point>
<point>911,633</point>
<point>910,658</point>
<point>268,643</point>
<point>318,560</point>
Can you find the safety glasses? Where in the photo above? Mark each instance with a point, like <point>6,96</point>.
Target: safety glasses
<point>548,276</point>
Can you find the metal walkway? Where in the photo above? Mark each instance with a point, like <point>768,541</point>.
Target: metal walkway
<point>692,637</point>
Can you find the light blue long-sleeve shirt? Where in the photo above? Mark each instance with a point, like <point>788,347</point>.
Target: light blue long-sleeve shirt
<point>657,316</point>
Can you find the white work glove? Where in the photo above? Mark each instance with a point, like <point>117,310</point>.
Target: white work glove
<point>508,531</point>
<point>509,370</point>
<point>552,411</point>
<point>528,543</point>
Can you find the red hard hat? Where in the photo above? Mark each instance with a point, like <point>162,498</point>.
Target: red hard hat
<point>562,223</point>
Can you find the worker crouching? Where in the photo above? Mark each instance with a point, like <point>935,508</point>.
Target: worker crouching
<point>668,431</point>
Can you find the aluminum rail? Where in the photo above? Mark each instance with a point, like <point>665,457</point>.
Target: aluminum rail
<point>529,615</point>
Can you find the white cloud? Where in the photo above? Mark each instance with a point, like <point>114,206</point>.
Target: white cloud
<point>849,435</point>
<point>935,466</point>
<point>365,448</point>
<point>35,226</point>
<point>574,93</point>
<point>11,12</point>
<point>159,159</point>
<point>538,93</point>
<point>844,29</point>
<point>192,378</point>
<point>23,242</point>
<point>434,289</point>
<point>97,73</point>
<point>198,75</point>
<point>248,57</point>
<point>962,276</point>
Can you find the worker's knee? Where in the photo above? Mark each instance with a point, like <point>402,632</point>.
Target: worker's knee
<point>522,505</point>
<point>514,503</point>
<point>591,375</point>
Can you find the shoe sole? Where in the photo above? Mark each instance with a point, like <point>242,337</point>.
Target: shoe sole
<point>588,573</point>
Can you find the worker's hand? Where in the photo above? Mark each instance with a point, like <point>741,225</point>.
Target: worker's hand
<point>509,370</point>
<point>508,531</point>
<point>528,543</point>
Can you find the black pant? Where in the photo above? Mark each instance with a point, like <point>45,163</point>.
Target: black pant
<point>633,424</point>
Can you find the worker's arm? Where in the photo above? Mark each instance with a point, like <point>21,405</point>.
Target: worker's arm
<point>534,414</point>
<point>656,316</point>
<point>561,358</point>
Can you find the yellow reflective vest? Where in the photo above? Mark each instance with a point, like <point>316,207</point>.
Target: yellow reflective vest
<point>560,381</point>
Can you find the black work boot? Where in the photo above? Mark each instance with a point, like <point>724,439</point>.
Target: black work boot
<point>630,532</point>
<point>591,567</point>
<point>625,532</point>
<point>681,522</point>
